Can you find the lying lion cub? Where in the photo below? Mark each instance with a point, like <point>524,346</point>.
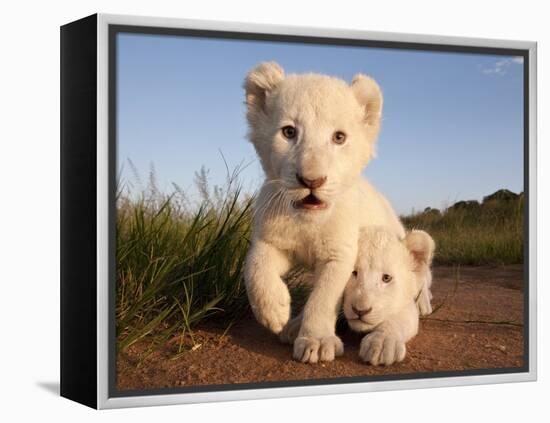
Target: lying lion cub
<point>381,295</point>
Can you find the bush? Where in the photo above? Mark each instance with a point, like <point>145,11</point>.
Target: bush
<point>473,233</point>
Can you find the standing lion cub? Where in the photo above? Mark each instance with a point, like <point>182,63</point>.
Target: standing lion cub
<point>314,134</point>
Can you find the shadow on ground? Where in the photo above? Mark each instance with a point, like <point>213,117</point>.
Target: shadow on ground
<point>51,387</point>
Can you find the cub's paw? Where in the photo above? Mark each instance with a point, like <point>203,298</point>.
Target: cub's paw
<point>311,350</point>
<point>379,348</point>
<point>274,316</point>
<point>424,302</point>
<point>273,311</point>
<point>290,331</point>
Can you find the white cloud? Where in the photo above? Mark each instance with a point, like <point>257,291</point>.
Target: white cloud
<point>518,60</point>
<point>500,67</point>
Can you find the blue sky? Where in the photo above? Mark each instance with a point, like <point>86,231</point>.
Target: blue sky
<point>452,122</point>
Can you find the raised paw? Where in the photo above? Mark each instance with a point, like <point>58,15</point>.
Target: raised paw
<point>290,331</point>
<point>273,310</point>
<point>311,350</point>
<point>274,316</point>
<point>379,348</point>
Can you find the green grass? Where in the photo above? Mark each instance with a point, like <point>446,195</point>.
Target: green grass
<point>180,264</point>
<point>486,233</point>
<point>176,268</point>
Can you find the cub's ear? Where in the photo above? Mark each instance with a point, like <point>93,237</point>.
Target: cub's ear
<point>421,246</point>
<point>259,82</point>
<point>369,95</point>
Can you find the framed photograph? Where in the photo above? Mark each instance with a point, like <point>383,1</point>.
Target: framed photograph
<point>253,211</point>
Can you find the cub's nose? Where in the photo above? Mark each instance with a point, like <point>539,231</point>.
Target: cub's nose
<point>311,183</point>
<point>361,313</point>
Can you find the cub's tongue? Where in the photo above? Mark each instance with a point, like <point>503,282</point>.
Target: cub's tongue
<point>310,202</point>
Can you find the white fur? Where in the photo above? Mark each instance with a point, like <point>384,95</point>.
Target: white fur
<point>419,244</point>
<point>324,239</point>
<point>393,317</point>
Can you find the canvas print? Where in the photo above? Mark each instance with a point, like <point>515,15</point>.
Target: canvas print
<point>307,212</point>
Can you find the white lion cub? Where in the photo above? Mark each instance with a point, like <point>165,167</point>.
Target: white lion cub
<point>314,134</point>
<point>381,295</point>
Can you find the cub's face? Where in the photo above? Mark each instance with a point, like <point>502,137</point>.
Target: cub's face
<point>313,133</point>
<point>387,276</point>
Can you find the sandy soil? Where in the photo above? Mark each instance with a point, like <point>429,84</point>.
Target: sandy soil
<point>478,324</point>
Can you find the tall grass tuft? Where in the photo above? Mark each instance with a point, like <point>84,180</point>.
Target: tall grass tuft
<point>176,266</point>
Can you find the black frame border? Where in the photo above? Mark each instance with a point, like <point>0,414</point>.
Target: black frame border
<point>78,211</point>
<point>114,29</point>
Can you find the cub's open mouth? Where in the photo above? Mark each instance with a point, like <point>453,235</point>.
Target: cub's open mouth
<point>310,203</point>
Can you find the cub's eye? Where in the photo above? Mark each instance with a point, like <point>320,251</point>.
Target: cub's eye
<point>354,273</point>
<point>289,132</point>
<point>339,137</point>
<point>386,278</point>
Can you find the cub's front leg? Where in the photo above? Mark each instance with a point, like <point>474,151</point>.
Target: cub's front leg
<point>317,340</point>
<point>267,293</point>
<point>386,344</point>
<point>379,347</point>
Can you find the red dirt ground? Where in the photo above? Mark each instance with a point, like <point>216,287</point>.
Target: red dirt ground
<point>477,324</point>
